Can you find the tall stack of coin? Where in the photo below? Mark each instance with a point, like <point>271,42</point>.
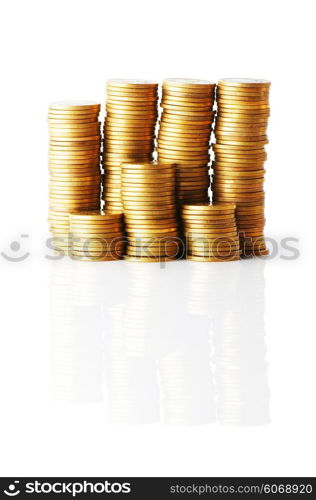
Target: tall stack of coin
<point>74,164</point>
<point>184,135</point>
<point>96,235</point>
<point>241,125</point>
<point>211,232</point>
<point>149,203</point>
<point>129,131</point>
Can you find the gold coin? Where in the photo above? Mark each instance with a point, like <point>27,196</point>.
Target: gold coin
<point>72,120</point>
<point>94,259</point>
<point>149,166</point>
<point>148,213</point>
<point>185,129</point>
<point>96,215</point>
<point>121,121</point>
<point>222,148</point>
<point>185,120</point>
<point>131,84</point>
<point>75,105</point>
<point>78,139</point>
<point>244,83</point>
<point>249,91</point>
<point>210,208</point>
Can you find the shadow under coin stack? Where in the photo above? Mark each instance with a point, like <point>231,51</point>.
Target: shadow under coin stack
<point>96,235</point>
<point>241,125</point>
<point>211,232</point>
<point>74,164</point>
<point>184,135</point>
<point>129,131</point>
<point>148,196</point>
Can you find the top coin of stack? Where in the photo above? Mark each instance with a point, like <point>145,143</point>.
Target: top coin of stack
<point>74,163</point>
<point>241,124</point>
<point>129,131</point>
<point>148,195</point>
<point>184,134</point>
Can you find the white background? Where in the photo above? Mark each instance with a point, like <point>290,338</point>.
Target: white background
<point>57,372</point>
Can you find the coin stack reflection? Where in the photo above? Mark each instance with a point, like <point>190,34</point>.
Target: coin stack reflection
<point>76,330</point>
<point>241,126</point>
<point>129,131</point>
<point>131,376</point>
<point>239,344</point>
<point>74,164</point>
<point>186,378</point>
<point>184,135</point>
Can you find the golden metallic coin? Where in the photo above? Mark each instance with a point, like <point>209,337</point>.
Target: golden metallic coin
<point>78,139</point>
<point>143,213</point>
<point>193,84</point>
<point>140,167</point>
<point>185,129</point>
<point>184,120</point>
<point>250,97</point>
<point>72,115</point>
<point>69,179</point>
<point>126,122</point>
<point>179,156</point>
<point>185,106</point>
<point>75,105</point>
<point>94,259</point>
<point>218,209</point>
<point>147,259</point>
<point>244,138</point>
<point>179,141</point>
<point>170,222</point>
<point>73,120</point>
<point>222,148</point>
<point>74,128</point>
<point>96,215</point>
<point>204,228</point>
<point>244,83</point>
<point>184,100</point>
<point>69,143</point>
<point>131,84</point>
<point>73,194</point>
<point>212,259</point>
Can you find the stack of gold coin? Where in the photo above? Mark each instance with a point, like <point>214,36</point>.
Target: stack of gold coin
<point>74,164</point>
<point>129,131</point>
<point>96,235</point>
<point>211,232</point>
<point>149,203</point>
<point>241,125</point>
<point>184,135</point>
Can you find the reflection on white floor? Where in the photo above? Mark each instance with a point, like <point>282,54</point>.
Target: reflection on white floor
<point>181,344</point>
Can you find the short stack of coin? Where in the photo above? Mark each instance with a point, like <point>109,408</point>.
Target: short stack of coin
<point>241,125</point>
<point>149,203</point>
<point>96,235</point>
<point>129,131</point>
<point>74,164</point>
<point>211,232</point>
<point>184,135</point>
